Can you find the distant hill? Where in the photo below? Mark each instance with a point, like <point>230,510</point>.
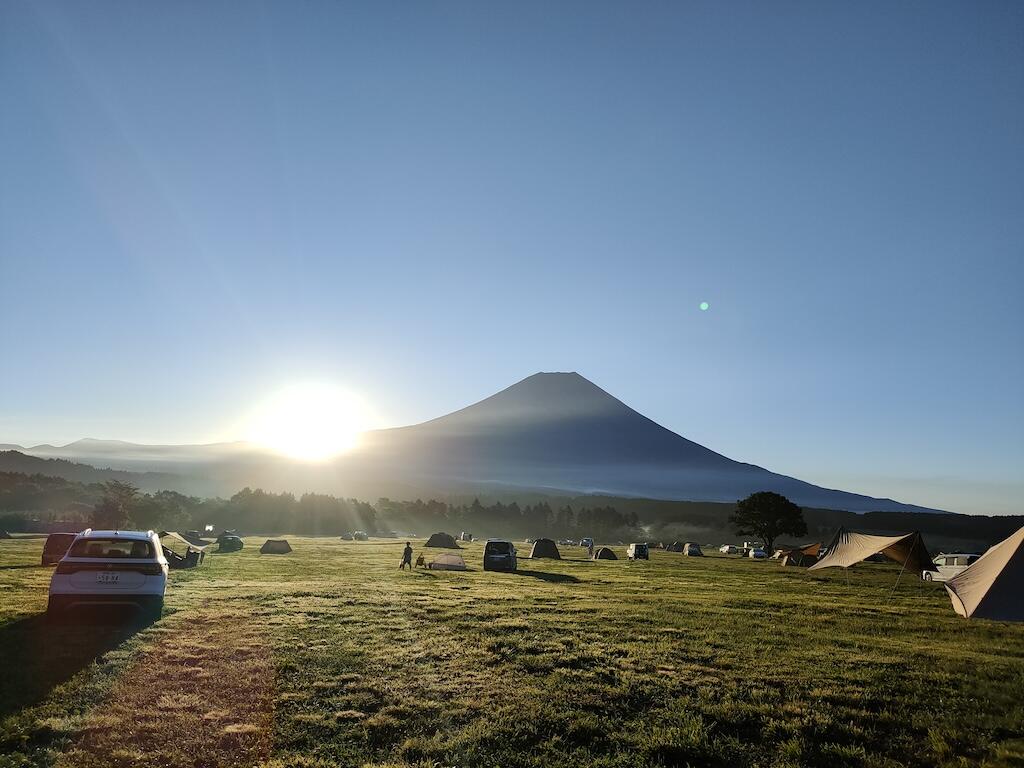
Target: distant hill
<point>15,461</point>
<point>551,433</point>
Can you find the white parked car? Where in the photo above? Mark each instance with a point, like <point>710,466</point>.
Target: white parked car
<point>729,549</point>
<point>111,568</point>
<point>949,566</point>
<point>757,554</point>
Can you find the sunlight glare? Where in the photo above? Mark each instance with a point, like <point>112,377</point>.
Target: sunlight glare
<point>312,422</point>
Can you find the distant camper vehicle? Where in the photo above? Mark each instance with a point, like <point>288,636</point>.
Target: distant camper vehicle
<point>587,542</point>
<point>110,568</point>
<point>56,547</point>
<point>949,566</point>
<point>500,555</point>
<point>638,552</point>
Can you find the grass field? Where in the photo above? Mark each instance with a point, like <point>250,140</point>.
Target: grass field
<point>332,656</point>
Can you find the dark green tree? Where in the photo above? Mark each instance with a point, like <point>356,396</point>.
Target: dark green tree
<point>768,515</point>
<point>114,510</point>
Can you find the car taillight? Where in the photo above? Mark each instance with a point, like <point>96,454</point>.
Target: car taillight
<point>155,569</point>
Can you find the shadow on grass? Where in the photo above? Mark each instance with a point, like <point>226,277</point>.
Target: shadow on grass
<point>38,655</point>
<point>23,565</point>
<point>554,578</point>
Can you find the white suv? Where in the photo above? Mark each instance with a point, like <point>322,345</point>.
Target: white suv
<point>949,566</point>
<point>111,568</point>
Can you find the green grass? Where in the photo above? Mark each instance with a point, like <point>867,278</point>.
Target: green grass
<point>332,656</point>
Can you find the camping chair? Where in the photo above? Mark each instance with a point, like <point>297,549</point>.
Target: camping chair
<point>420,562</point>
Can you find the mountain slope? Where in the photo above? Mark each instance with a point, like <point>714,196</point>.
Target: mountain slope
<point>15,461</point>
<point>561,431</point>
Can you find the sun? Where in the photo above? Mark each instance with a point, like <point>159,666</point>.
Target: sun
<point>311,422</point>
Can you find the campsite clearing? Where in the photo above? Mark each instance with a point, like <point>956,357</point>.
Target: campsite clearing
<point>332,656</point>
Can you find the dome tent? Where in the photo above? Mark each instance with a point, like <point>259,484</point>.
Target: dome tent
<point>275,547</point>
<point>448,561</point>
<point>693,550</point>
<point>545,548</point>
<point>604,553</point>
<point>442,541</point>
<point>229,544</point>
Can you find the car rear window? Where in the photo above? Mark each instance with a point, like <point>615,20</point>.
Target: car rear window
<point>498,547</point>
<point>58,542</point>
<point>133,548</point>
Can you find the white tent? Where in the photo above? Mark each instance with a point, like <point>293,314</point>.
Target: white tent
<point>448,562</point>
<point>993,586</point>
<point>850,547</point>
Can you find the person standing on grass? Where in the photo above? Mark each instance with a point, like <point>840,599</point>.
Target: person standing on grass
<point>406,557</point>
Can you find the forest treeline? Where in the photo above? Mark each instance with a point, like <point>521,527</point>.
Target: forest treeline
<point>115,504</point>
<point>26,497</point>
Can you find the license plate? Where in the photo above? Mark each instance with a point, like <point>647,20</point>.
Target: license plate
<point>105,577</point>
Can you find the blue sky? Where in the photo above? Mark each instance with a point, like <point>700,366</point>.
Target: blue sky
<point>202,202</point>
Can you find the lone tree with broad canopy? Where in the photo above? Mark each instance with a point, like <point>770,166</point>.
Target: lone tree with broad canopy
<point>768,515</point>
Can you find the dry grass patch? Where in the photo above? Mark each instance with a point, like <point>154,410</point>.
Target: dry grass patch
<point>174,707</point>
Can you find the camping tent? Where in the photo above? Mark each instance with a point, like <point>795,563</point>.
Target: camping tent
<point>693,550</point>
<point>275,547</point>
<point>801,556</point>
<point>850,547</point>
<point>992,587</point>
<point>675,546</point>
<point>229,544</point>
<point>442,540</point>
<point>545,548</point>
<point>604,554</point>
<point>448,561</point>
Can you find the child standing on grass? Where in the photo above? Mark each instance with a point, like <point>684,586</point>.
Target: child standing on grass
<point>406,557</point>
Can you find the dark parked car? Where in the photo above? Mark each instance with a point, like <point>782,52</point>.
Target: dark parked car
<point>499,555</point>
<point>638,552</point>
<point>56,546</point>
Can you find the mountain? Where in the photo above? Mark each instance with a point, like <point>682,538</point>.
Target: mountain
<point>561,431</point>
<point>16,461</point>
<point>551,433</point>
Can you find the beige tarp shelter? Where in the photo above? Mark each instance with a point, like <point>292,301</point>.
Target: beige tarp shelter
<point>275,547</point>
<point>992,587</point>
<point>442,540</point>
<point>191,543</point>
<point>691,549</point>
<point>850,547</point>
<point>449,561</point>
<point>803,557</point>
<point>545,548</point>
<point>605,554</point>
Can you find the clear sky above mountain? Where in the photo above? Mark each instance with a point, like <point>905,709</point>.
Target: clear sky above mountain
<point>202,203</point>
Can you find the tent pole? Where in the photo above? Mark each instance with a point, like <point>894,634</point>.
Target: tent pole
<point>902,569</point>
